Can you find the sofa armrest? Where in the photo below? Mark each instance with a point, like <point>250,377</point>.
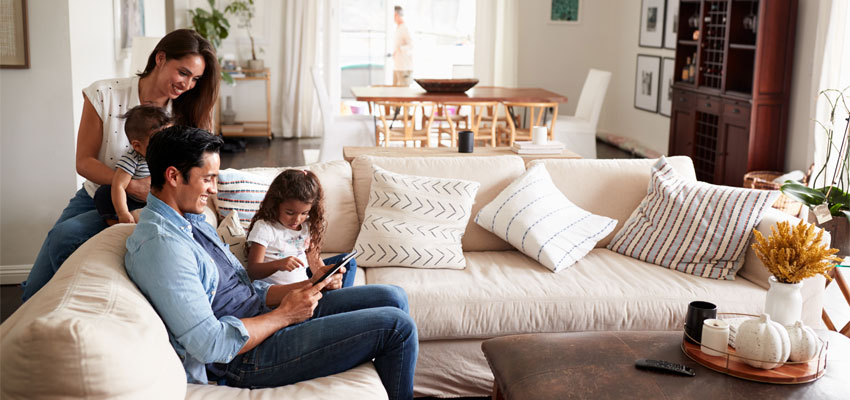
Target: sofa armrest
<point>754,270</point>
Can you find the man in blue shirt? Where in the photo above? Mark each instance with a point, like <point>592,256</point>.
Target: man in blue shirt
<point>251,334</point>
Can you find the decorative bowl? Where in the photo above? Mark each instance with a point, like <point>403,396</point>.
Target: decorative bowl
<point>446,85</point>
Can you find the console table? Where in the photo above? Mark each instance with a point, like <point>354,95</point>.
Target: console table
<point>597,365</point>
<point>350,153</point>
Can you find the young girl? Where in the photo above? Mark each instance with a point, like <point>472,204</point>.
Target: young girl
<point>285,235</point>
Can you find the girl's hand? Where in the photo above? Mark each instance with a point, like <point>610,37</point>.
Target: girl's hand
<point>334,281</point>
<point>290,263</point>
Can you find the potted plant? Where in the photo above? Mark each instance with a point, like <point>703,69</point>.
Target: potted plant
<point>791,254</point>
<point>244,12</point>
<point>829,195</point>
<point>213,26</point>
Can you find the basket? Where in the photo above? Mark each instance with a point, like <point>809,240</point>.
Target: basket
<point>763,180</point>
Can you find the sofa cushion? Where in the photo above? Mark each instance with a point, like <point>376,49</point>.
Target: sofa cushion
<point>492,173</point>
<point>361,382</point>
<point>505,292</point>
<point>90,333</point>
<point>240,192</point>
<point>612,188</point>
<point>231,232</point>
<point>536,218</point>
<point>415,221</point>
<point>335,177</point>
<point>692,227</point>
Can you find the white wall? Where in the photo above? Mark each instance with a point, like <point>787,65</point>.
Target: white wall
<point>36,136</point>
<point>558,57</point>
<point>40,109</point>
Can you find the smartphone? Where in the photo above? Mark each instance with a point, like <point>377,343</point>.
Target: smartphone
<point>336,267</point>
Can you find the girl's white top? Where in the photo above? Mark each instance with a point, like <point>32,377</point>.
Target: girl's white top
<point>282,242</point>
<point>111,98</point>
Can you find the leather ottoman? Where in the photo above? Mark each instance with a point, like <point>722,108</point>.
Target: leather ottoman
<point>600,365</point>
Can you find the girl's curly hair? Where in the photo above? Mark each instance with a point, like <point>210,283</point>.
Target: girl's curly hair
<point>301,185</point>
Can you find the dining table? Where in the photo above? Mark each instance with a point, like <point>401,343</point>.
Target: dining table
<point>478,93</point>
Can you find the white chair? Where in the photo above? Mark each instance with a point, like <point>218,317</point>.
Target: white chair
<point>578,133</point>
<point>340,130</point>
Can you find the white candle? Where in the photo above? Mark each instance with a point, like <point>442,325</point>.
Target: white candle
<point>715,336</point>
<point>539,135</point>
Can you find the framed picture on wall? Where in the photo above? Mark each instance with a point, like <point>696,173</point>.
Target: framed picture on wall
<point>14,40</point>
<point>565,11</point>
<point>646,82</point>
<point>665,88</point>
<point>671,24</point>
<point>651,23</point>
<point>128,22</point>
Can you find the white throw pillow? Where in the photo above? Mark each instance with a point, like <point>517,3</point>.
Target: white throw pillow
<point>231,232</point>
<point>535,217</point>
<point>415,221</point>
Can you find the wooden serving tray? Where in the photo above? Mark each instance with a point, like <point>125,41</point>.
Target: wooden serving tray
<point>730,364</point>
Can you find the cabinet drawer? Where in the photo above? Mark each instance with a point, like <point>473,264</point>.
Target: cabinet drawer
<point>683,100</point>
<point>709,104</point>
<point>736,110</point>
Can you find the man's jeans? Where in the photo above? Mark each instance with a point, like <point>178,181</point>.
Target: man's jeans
<point>78,222</point>
<point>349,327</point>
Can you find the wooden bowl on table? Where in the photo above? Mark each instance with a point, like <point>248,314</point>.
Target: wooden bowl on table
<point>446,85</point>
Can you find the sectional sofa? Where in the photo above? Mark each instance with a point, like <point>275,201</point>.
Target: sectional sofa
<point>92,333</point>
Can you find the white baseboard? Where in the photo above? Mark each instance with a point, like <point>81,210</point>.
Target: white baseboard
<point>14,274</point>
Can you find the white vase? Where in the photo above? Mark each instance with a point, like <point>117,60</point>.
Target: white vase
<point>784,302</point>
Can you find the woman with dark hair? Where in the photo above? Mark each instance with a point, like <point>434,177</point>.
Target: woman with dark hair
<point>182,76</point>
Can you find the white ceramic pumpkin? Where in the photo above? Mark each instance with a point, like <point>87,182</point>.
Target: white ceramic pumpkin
<point>804,342</point>
<point>762,343</point>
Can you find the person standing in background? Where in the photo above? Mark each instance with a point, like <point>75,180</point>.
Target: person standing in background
<point>402,52</point>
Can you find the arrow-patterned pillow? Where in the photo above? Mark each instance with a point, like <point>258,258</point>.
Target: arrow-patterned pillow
<point>535,217</point>
<point>415,221</point>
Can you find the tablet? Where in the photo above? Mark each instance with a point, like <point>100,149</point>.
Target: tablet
<point>336,267</point>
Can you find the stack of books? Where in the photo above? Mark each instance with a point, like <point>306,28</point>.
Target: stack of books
<point>552,147</point>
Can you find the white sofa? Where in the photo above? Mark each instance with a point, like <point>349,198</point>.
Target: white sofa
<point>119,346</point>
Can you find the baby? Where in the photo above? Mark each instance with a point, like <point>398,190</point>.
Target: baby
<point>112,201</point>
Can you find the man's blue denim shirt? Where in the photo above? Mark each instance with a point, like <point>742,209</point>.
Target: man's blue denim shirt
<point>179,278</point>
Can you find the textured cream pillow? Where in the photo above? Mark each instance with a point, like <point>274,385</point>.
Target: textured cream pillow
<point>535,217</point>
<point>231,232</point>
<point>415,221</point>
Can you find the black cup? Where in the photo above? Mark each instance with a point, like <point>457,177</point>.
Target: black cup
<point>464,142</point>
<point>698,311</point>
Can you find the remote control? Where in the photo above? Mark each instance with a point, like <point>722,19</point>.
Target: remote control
<point>664,366</point>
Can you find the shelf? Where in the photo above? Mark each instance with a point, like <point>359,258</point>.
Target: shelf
<point>250,128</point>
<point>742,46</point>
<point>688,42</point>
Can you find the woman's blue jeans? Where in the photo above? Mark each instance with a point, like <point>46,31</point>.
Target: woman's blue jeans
<point>78,222</point>
<point>350,326</point>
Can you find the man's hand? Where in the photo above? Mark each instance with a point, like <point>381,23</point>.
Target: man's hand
<point>334,281</point>
<point>139,188</point>
<point>298,305</point>
<point>289,263</point>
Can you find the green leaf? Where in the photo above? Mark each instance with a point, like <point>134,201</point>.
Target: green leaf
<point>802,193</point>
<point>225,76</point>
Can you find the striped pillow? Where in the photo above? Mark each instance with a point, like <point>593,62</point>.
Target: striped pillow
<point>535,217</point>
<point>692,227</point>
<point>241,192</point>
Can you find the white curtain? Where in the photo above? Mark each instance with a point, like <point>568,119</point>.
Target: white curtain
<point>309,36</point>
<point>834,16</point>
<point>496,38</point>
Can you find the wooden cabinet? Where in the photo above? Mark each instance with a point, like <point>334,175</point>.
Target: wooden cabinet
<point>730,116</point>
<point>249,128</point>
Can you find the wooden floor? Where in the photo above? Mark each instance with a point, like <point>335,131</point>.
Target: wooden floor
<point>258,152</point>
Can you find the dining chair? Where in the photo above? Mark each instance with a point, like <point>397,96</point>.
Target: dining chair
<point>578,132</point>
<point>342,130</point>
<point>473,119</point>
<point>537,116</point>
<point>397,122</point>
